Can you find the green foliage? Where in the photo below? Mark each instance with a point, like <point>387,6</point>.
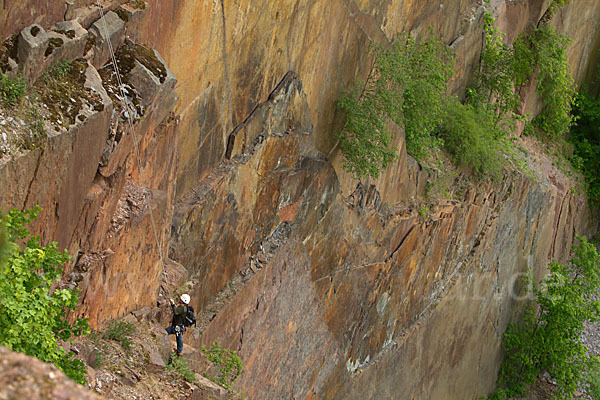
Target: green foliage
<point>12,90</point>
<point>585,137</point>
<point>592,379</point>
<point>496,80</point>
<point>547,49</point>
<point>405,80</point>
<point>227,363</point>
<point>472,138</point>
<point>422,70</point>
<point>58,70</point>
<point>555,5</point>
<point>181,368</point>
<point>3,240</point>
<point>549,338</point>
<point>365,141</point>
<point>504,69</point>
<point>424,211</point>
<point>32,310</point>
<point>120,332</point>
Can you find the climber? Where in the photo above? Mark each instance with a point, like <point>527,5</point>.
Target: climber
<point>178,322</point>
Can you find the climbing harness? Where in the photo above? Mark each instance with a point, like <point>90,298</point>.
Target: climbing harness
<point>128,114</point>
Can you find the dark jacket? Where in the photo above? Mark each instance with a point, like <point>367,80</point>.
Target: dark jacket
<point>179,312</point>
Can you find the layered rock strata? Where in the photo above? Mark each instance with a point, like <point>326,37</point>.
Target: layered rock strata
<point>351,297</point>
<point>348,291</point>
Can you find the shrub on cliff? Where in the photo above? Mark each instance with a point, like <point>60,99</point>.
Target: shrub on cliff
<point>33,311</point>
<point>12,90</point>
<point>472,138</point>
<point>549,338</point>
<point>539,54</point>
<point>585,137</point>
<point>406,85</point>
<point>227,364</point>
<point>554,80</point>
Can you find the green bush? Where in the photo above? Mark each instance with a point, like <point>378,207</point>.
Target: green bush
<point>181,368</point>
<point>548,340</point>
<point>3,240</point>
<point>406,86</point>
<point>547,49</point>
<point>33,311</point>
<point>365,141</point>
<point>554,6</point>
<point>227,363</point>
<point>119,331</point>
<point>592,384</point>
<point>503,69</point>
<point>470,136</point>
<point>585,137</point>
<point>497,80</point>
<point>12,90</point>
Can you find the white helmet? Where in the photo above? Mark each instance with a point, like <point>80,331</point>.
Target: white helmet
<point>185,298</point>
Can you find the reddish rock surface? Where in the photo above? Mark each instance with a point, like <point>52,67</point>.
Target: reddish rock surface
<point>342,290</point>
<point>356,297</point>
<point>24,377</point>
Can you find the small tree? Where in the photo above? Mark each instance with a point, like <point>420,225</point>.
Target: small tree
<point>32,310</point>
<point>407,85</point>
<point>549,339</point>
<point>227,363</point>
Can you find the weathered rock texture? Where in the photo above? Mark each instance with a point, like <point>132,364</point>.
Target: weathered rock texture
<point>24,377</point>
<point>87,178</point>
<point>347,292</point>
<point>349,289</point>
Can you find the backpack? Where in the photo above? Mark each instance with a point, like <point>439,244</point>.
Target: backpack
<point>190,318</point>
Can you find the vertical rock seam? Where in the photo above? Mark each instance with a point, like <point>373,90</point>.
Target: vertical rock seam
<point>227,95</point>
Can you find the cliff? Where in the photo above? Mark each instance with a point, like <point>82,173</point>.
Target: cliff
<point>335,288</point>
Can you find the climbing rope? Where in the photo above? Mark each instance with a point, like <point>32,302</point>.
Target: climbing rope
<point>128,115</point>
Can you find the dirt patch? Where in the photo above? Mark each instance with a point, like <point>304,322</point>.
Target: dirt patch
<point>70,33</point>
<point>129,374</point>
<point>89,44</point>
<point>21,128</point>
<point>54,43</point>
<point>122,14</point>
<point>8,49</point>
<point>64,95</point>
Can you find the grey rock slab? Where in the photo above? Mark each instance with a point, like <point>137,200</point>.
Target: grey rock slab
<point>112,28</point>
<point>32,44</point>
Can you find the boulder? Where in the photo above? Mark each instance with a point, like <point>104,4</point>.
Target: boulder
<point>207,389</point>
<point>32,44</point>
<point>72,39</point>
<point>113,30</point>
<point>162,344</point>
<point>24,377</point>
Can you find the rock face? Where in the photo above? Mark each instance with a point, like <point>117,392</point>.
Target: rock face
<point>86,176</point>
<point>346,290</point>
<point>24,377</point>
<point>355,298</point>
